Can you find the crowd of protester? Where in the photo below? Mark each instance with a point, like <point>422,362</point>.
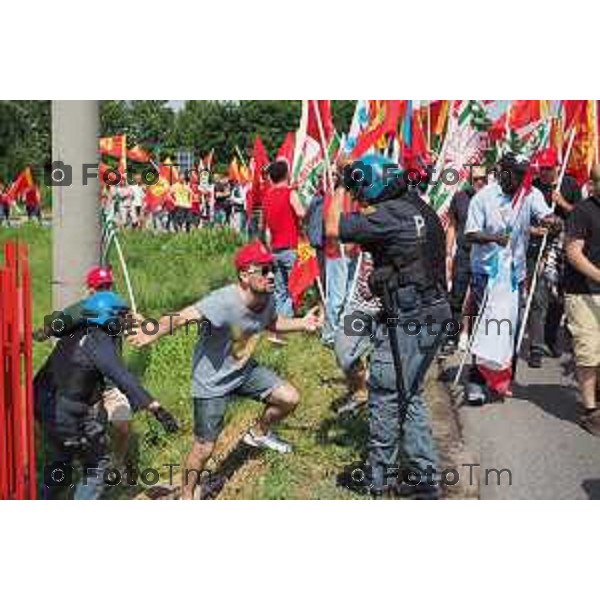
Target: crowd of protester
<point>185,206</point>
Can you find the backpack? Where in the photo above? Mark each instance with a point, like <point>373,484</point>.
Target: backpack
<point>314,222</point>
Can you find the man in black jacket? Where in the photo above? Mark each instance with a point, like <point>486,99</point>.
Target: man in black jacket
<point>68,388</point>
<point>547,304</point>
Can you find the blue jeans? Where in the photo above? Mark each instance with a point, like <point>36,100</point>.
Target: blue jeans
<point>283,262</point>
<point>76,436</point>
<point>348,348</point>
<point>413,448</point>
<point>339,277</point>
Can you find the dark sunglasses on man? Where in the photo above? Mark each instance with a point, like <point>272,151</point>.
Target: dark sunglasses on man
<point>264,270</point>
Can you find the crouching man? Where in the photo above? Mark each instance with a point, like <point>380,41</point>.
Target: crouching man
<point>222,366</point>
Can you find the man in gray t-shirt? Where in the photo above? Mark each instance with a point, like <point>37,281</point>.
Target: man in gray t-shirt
<point>232,319</point>
<point>222,359</point>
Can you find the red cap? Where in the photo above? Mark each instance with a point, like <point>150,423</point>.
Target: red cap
<point>254,253</point>
<point>99,276</point>
<point>546,159</point>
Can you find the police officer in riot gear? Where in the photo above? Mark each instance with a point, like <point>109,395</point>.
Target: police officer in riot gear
<point>407,242</point>
<point>68,388</point>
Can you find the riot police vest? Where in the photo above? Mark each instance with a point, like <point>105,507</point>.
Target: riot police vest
<point>71,372</point>
<point>417,257</point>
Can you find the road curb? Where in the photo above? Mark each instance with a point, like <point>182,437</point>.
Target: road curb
<point>455,454</point>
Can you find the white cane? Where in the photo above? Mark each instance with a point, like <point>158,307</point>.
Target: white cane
<point>467,351</point>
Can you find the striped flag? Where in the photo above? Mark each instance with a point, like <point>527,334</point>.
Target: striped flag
<point>465,144</point>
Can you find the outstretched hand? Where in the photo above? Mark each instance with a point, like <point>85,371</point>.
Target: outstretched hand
<point>313,320</point>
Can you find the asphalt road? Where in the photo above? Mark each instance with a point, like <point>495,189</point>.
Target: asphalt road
<point>535,436</point>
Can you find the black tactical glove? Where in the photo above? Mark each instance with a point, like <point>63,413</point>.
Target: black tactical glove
<point>167,420</point>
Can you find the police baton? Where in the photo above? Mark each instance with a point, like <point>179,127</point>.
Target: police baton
<point>389,305</point>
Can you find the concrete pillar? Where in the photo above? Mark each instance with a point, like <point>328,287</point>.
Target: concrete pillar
<point>76,227</point>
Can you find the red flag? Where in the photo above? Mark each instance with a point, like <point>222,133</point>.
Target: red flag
<point>520,114</point>
<point>260,159</point>
<point>113,146</point>
<point>152,200</point>
<point>497,381</point>
<point>417,155</point>
<point>234,171</point>
<point>524,112</point>
<point>138,154</point>
<point>286,152</point>
<point>168,172</point>
<point>573,111</point>
<point>259,154</point>
<point>244,174</point>
<point>583,151</point>
<point>104,177</point>
<point>304,272</point>
<point>312,128</point>
<point>23,182</point>
<point>208,160</point>
<point>385,122</point>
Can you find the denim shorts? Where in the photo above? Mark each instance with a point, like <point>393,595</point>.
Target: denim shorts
<point>209,413</point>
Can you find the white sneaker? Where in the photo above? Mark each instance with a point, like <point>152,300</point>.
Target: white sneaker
<point>269,441</point>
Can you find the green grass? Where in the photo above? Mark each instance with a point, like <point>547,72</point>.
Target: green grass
<point>169,272</point>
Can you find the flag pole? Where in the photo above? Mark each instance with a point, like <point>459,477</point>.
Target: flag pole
<point>326,157</point>
<point>241,156</point>
<point>595,117</point>
<point>321,292</point>
<point>300,138</point>
<point>429,125</point>
<point>324,145</point>
<point>534,280</point>
<point>507,127</point>
<point>125,273</point>
<point>467,351</point>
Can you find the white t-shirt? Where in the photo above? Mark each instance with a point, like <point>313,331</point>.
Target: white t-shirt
<point>137,193</point>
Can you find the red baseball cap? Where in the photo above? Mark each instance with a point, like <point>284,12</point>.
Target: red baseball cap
<point>98,277</point>
<point>254,253</point>
<point>546,159</point>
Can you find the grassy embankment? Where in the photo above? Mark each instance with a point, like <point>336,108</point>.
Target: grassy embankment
<point>169,272</point>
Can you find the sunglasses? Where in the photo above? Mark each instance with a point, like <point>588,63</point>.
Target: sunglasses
<point>264,270</point>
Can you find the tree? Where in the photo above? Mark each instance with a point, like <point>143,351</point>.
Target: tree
<point>24,136</point>
<point>114,117</point>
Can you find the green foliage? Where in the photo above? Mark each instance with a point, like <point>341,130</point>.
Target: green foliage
<point>24,135</point>
<point>200,126</point>
<point>204,125</point>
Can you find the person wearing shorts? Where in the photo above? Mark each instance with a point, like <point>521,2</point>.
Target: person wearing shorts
<point>230,321</point>
<point>582,299</point>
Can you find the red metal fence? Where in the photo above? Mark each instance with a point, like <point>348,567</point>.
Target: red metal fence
<point>17,447</point>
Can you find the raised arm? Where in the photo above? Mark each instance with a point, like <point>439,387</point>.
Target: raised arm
<point>167,324</point>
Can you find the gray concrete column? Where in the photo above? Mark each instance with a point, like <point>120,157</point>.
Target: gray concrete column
<point>76,227</point>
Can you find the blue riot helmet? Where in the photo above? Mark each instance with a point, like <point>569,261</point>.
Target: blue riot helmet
<point>374,178</point>
<point>105,309</point>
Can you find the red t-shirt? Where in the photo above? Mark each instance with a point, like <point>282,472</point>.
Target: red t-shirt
<point>32,197</point>
<point>280,218</point>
